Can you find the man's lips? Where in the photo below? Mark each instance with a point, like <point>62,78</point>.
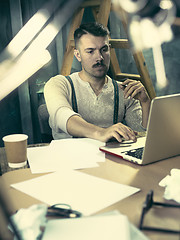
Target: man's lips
<point>98,65</point>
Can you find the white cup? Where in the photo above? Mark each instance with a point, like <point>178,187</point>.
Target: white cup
<point>16,150</point>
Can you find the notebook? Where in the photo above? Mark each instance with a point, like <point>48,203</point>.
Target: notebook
<point>162,139</point>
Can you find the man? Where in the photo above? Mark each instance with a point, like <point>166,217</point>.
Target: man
<point>95,94</point>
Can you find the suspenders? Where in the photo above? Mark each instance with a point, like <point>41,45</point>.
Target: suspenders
<point>116,99</point>
<point>74,102</point>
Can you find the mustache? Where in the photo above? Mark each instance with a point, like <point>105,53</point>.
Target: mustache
<point>98,64</point>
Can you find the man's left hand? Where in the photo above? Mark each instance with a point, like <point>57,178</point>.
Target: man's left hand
<point>135,89</point>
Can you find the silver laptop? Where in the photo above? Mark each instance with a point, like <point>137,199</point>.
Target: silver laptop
<point>162,139</point>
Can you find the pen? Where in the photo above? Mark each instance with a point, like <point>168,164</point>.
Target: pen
<point>122,81</point>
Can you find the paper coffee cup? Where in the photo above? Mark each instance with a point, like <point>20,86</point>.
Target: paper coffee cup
<point>16,150</point>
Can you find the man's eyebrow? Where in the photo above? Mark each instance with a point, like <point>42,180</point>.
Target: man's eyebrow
<point>106,45</point>
<point>91,48</point>
<point>86,49</point>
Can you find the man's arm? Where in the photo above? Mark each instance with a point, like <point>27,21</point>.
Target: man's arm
<point>145,112</point>
<point>77,126</point>
<point>136,90</point>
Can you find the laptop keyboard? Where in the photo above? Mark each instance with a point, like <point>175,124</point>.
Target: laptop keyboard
<point>136,153</point>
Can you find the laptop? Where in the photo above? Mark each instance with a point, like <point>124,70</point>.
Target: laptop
<point>162,139</point>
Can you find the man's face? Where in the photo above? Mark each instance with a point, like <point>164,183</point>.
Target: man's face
<point>94,54</point>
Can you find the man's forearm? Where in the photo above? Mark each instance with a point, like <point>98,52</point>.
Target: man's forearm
<point>78,127</point>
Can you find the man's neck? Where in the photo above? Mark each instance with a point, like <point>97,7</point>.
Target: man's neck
<point>95,83</point>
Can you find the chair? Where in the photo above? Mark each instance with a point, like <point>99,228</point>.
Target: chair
<point>43,116</point>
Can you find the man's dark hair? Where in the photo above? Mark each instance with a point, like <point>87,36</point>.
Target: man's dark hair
<point>94,28</point>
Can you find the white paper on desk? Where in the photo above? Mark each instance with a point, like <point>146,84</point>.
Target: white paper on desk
<point>75,148</point>
<point>114,227</point>
<point>85,193</point>
<point>43,160</point>
<point>65,153</point>
<point>135,233</point>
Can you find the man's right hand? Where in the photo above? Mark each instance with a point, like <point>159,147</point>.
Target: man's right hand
<point>118,131</point>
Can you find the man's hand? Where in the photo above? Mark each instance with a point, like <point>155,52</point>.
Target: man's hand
<point>118,131</point>
<point>135,89</point>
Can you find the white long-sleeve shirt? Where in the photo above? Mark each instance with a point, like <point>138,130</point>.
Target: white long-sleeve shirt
<point>98,110</point>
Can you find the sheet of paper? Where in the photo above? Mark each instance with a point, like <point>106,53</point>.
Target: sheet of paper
<point>90,228</point>
<point>85,193</point>
<point>75,148</point>
<point>135,233</point>
<point>43,160</point>
<point>66,153</point>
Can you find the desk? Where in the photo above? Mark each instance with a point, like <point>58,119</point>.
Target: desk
<point>118,170</point>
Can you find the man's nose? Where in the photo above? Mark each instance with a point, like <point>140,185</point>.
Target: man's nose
<point>99,56</point>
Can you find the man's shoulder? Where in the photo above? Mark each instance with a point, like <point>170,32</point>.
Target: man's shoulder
<point>58,79</point>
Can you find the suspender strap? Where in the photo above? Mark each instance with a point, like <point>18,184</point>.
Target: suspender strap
<point>74,102</point>
<point>116,101</point>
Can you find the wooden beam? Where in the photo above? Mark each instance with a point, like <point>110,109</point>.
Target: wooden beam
<point>121,76</point>
<point>91,3</point>
<point>145,77</point>
<point>119,43</point>
<point>69,52</point>
<point>104,11</point>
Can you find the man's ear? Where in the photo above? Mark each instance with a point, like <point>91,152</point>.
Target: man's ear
<point>77,54</point>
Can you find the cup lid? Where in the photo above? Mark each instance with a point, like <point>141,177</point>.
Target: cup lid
<point>15,137</point>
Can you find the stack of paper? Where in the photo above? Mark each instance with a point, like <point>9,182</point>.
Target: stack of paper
<point>73,153</point>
